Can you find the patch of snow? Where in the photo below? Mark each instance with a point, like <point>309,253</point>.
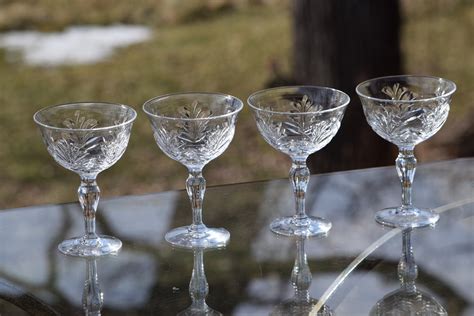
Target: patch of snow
<point>75,45</point>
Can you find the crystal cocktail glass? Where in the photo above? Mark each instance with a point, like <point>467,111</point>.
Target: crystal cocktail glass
<point>299,121</point>
<point>406,110</point>
<point>87,138</point>
<point>194,128</point>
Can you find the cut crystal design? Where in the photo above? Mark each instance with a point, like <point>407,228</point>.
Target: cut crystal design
<point>193,136</point>
<point>298,127</point>
<point>79,122</point>
<point>398,93</point>
<point>307,131</point>
<point>406,119</point>
<point>301,124</point>
<point>305,105</point>
<point>87,144</point>
<point>83,149</point>
<point>193,130</point>
<point>198,138</point>
<point>406,123</point>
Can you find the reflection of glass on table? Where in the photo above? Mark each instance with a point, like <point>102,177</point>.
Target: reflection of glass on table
<point>198,288</point>
<point>301,304</point>
<point>251,277</point>
<point>408,300</point>
<point>92,295</point>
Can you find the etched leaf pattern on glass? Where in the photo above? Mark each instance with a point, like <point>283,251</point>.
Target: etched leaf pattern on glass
<point>301,124</point>
<point>399,93</point>
<point>303,133</point>
<point>83,149</point>
<point>406,123</point>
<point>196,139</point>
<point>193,132</point>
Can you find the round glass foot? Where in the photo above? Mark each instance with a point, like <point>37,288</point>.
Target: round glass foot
<point>183,237</point>
<point>296,306</point>
<point>397,217</point>
<point>401,302</point>
<point>90,247</point>
<point>199,310</point>
<point>291,226</point>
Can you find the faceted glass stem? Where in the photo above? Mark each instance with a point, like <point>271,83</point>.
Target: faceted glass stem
<point>406,167</point>
<point>197,235</point>
<point>90,244</point>
<point>406,215</point>
<point>300,224</point>
<point>89,195</point>
<point>299,177</point>
<point>407,268</point>
<point>196,187</point>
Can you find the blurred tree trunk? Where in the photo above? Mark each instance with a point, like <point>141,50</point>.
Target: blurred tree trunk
<point>339,44</point>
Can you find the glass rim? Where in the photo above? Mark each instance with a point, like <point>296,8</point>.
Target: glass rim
<point>447,94</point>
<point>175,94</point>
<point>254,107</point>
<point>84,103</point>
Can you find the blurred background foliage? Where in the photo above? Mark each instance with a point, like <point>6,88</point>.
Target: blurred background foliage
<point>235,47</point>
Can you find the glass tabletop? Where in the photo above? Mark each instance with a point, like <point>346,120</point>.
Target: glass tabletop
<point>258,273</point>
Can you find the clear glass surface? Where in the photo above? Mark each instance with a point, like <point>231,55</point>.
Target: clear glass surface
<point>408,300</point>
<point>301,304</point>
<point>193,129</point>
<point>406,110</point>
<point>198,288</point>
<point>92,295</point>
<point>299,121</point>
<point>87,138</point>
<point>351,269</point>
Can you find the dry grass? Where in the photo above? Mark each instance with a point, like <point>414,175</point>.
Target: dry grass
<point>437,40</point>
<point>228,54</point>
<point>50,15</point>
<point>227,50</point>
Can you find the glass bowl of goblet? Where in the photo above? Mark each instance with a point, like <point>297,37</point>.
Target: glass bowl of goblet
<point>299,121</point>
<point>194,128</point>
<point>406,110</point>
<point>87,138</point>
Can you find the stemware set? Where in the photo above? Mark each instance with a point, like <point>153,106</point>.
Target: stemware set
<point>195,128</point>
